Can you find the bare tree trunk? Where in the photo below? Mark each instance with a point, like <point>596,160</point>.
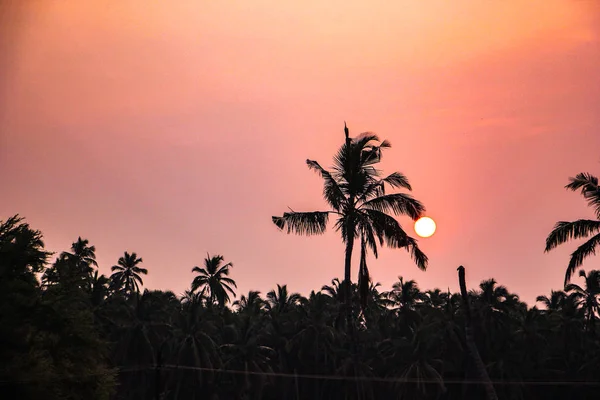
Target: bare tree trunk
<point>470,341</point>
<point>348,276</point>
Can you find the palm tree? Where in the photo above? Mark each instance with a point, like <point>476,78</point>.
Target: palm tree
<point>251,304</point>
<point>356,195</point>
<point>281,300</point>
<point>406,294</point>
<point>126,274</point>
<point>214,281</point>
<point>587,298</point>
<point>582,228</point>
<point>82,256</point>
<point>555,302</point>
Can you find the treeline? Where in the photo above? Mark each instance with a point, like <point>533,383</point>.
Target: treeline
<point>68,332</point>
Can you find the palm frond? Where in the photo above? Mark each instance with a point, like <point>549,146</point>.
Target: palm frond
<point>303,223</point>
<point>564,231</point>
<point>590,189</point>
<point>229,281</point>
<point>389,230</point>
<point>543,299</point>
<point>573,287</point>
<point>583,180</point>
<point>202,271</point>
<point>579,255</point>
<point>397,180</point>
<point>332,192</point>
<point>139,270</point>
<point>399,203</point>
<point>377,186</point>
<point>418,256</point>
<point>224,269</point>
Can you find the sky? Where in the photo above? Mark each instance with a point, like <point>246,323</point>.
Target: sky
<point>173,129</point>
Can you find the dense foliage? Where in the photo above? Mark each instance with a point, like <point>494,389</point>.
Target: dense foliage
<point>67,332</point>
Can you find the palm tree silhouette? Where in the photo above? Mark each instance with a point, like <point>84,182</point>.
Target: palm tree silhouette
<point>252,304</point>
<point>126,274</point>
<point>555,302</point>
<point>587,297</point>
<point>405,294</point>
<point>582,228</point>
<point>83,256</point>
<point>281,300</point>
<point>214,281</point>
<point>356,194</point>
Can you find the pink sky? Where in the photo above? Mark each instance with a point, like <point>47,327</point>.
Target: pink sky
<point>176,128</point>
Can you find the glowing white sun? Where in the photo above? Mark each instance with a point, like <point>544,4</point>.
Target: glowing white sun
<point>425,227</point>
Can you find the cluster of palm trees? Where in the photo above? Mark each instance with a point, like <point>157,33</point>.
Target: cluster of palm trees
<point>69,332</point>
<point>407,344</point>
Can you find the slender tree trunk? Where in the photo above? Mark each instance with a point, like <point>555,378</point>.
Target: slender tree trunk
<point>470,340</point>
<point>347,276</point>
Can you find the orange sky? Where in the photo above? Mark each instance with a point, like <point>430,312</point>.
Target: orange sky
<point>176,128</point>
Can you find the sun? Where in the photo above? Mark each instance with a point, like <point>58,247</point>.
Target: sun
<point>425,227</point>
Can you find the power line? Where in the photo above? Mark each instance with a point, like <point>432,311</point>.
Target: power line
<point>127,369</point>
<point>378,379</point>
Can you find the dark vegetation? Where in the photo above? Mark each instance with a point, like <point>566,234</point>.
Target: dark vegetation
<point>68,332</point>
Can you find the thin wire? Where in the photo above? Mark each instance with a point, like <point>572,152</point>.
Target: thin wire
<point>376,379</point>
<point>318,376</point>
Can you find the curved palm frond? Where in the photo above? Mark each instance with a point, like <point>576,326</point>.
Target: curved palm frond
<point>303,223</point>
<point>389,230</point>
<point>564,231</point>
<point>332,192</point>
<point>579,255</point>
<point>590,189</point>
<point>398,203</point>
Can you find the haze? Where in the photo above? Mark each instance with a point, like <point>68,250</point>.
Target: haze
<point>178,128</point>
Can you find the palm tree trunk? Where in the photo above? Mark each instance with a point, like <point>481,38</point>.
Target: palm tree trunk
<point>470,341</point>
<point>347,276</point>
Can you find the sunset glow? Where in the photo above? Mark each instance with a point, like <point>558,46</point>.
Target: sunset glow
<point>174,129</point>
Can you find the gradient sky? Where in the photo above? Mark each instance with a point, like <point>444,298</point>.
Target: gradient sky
<point>176,128</point>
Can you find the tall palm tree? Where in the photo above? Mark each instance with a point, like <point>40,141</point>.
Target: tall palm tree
<point>214,281</point>
<point>126,274</point>
<point>472,350</point>
<point>582,228</point>
<point>356,195</point>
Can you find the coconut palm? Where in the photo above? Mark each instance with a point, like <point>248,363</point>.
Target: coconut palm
<point>555,302</point>
<point>251,304</point>
<point>356,194</point>
<point>76,266</point>
<point>281,300</point>
<point>587,297</point>
<point>582,228</point>
<point>406,294</point>
<point>83,256</point>
<point>214,281</point>
<point>126,274</point>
